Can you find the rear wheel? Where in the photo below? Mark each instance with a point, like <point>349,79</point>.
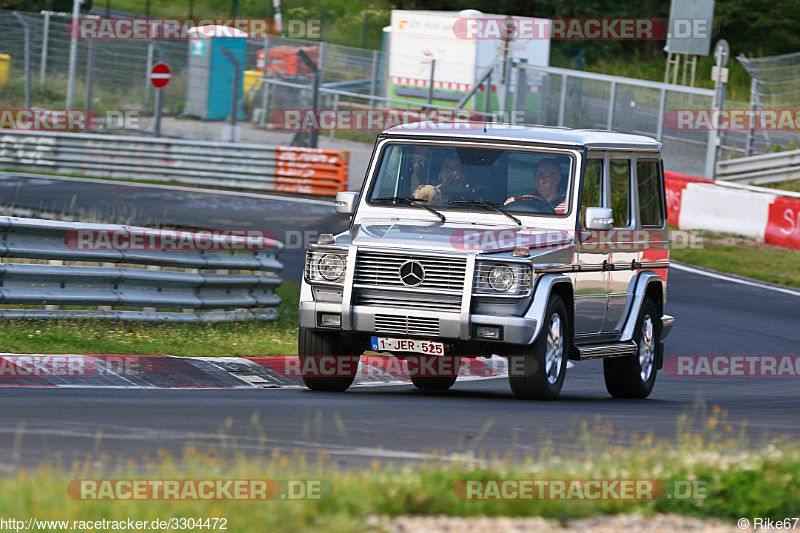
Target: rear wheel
<point>635,375</point>
<point>537,373</point>
<point>325,363</point>
<point>433,372</point>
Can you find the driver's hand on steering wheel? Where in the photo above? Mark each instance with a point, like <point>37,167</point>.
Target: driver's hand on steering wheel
<point>512,199</point>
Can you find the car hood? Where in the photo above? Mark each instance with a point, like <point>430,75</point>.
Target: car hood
<point>454,237</point>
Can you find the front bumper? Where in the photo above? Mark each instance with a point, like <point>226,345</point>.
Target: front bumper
<point>666,325</point>
<point>515,329</point>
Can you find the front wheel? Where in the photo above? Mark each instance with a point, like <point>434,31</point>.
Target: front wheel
<point>635,375</point>
<point>325,363</point>
<point>537,373</point>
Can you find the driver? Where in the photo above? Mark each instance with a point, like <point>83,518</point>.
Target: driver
<point>454,184</point>
<point>548,187</point>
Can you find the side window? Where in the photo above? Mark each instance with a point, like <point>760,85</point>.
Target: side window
<point>650,193</point>
<point>592,180</point>
<point>620,187</point>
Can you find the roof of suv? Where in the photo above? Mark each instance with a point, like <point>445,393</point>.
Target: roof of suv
<point>596,139</point>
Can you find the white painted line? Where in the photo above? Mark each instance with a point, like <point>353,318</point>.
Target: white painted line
<point>686,268</point>
<point>176,188</point>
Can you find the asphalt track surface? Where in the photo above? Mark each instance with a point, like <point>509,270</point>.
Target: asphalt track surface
<point>391,423</point>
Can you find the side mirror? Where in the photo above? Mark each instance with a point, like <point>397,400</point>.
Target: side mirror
<point>345,203</point>
<point>598,218</point>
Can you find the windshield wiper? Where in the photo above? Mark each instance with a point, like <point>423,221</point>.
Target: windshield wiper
<point>488,205</point>
<point>411,201</point>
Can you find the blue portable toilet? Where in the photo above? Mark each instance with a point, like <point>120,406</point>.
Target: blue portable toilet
<point>209,84</point>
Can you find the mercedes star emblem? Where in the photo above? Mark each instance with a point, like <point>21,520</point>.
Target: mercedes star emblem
<point>412,273</point>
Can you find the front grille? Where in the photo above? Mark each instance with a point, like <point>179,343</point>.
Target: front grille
<point>380,270</point>
<point>426,302</point>
<point>407,325</point>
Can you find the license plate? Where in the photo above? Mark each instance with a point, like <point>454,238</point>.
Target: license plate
<point>386,344</point>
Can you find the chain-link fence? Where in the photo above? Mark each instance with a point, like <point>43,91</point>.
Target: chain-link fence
<point>775,84</point>
<point>114,72</point>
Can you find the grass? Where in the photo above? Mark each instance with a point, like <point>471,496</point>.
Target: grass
<point>736,479</point>
<point>743,257</point>
<point>91,336</point>
<point>791,185</point>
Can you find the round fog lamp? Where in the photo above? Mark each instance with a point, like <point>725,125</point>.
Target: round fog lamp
<point>331,267</point>
<point>501,278</point>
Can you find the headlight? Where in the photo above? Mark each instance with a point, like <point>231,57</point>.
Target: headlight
<point>331,267</point>
<point>493,278</point>
<point>325,266</point>
<point>501,278</point>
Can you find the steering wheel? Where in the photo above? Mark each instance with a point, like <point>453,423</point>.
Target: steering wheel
<point>532,204</point>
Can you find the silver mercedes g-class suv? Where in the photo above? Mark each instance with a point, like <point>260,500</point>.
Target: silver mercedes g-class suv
<point>470,240</point>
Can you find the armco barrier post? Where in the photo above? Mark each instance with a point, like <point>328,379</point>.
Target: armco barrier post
<point>27,52</point>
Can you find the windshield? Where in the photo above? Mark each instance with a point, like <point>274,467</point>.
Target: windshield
<point>469,178</point>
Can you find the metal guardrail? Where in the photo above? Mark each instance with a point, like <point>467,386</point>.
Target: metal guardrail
<point>161,285</point>
<point>238,165</point>
<point>760,169</point>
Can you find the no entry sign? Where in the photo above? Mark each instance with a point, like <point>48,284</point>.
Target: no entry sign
<point>159,75</point>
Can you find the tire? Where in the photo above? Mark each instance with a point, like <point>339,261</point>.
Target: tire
<point>315,349</point>
<point>442,380</point>
<point>635,375</point>
<point>537,373</point>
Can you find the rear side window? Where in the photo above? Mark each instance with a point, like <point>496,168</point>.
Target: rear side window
<point>650,193</point>
<point>591,187</point>
<point>620,188</point>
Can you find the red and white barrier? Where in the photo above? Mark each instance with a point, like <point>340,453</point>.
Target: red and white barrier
<point>763,214</point>
<point>783,226</point>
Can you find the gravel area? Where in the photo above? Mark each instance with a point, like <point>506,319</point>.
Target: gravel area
<point>600,524</point>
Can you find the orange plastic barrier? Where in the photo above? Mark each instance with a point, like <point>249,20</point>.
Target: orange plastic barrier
<point>311,170</point>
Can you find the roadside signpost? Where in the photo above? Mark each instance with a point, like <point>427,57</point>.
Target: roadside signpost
<point>159,77</point>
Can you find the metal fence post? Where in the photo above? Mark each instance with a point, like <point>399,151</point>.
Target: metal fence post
<point>73,52</point>
<point>264,100</point>
<point>237,70</point>
<point>27,28</point>
<point>336,110</point>
<point>313,134</point>
<point>157,118</point>
<point>148,68</point>
<point>543,99</point>
<point>321,62</point>
<point>713,134</point>
<point>45,42</point>
<point>522,90</point>
<point>612,104</point>
<point>89,74</point>
<point>264,84</point>
<point>562,104</point>
<point>487,94</point>
<point>507,70</point>
<point>373,84</point>
<point>430,87</point>
<point>662,110</point>
<point>751,133</point>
